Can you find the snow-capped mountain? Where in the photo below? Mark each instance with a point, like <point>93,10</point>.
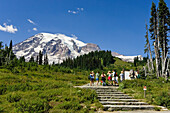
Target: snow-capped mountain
<point>127,58</point>
<point>57,46</point>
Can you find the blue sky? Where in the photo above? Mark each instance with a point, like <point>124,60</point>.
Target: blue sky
<point>116,25</point>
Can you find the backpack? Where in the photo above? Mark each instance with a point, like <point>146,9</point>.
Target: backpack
<point>89,77</point>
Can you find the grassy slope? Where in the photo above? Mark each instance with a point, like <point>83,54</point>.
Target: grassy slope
<point>43,90</point>
<point>158,90</point>
<point>119,65</point>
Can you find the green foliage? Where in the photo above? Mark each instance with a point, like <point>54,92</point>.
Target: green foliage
<point>90,61</point>
<point>74,105</point>
<point>31,106</point>
<point>13,97</point>
<point>1,109</point>
<point>157,90</point>
<point>45,90</point>
<point>157,108</point>
<point>40,58</point>
<point>163,99</point>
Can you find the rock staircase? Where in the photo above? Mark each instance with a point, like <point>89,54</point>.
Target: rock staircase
<point>114,100</point>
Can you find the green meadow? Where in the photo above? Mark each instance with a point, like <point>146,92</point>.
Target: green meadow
<point>45,91</point>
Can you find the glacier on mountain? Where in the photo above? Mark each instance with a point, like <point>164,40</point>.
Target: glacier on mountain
<point>57,46</point>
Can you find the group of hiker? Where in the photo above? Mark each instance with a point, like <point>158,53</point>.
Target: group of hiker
<point>112,77</point>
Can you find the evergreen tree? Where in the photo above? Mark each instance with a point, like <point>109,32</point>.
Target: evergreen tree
<point>90,61</point>
<point>45,59</point>
<point>164,15</point>
<point>155,37</point>
<point>10,46</point>
<point>37,61</point>
<point>148,50</point>
<point>1,46</point>
<point>22,59</point>
<point>40,58</point>
<point>31,59</point>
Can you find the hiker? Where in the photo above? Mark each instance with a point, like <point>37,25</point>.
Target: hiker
<point>113,77</point>
<point>103,79</point>
<point>91,78</point>
<point>116,79</point>
<point>97,78</point>
<point>137,74</point>
<point>132,74</point>
<point>121,76</point>
<point>109,77</point>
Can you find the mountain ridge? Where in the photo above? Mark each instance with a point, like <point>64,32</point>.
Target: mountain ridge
<point>57,46</point>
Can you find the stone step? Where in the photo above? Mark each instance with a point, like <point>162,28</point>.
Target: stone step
<point>122,103</point>
<point>104,87</point>
<point>109,93</point>
<point>120,100</point>
<point>128,107</point>
<point>114,97</point>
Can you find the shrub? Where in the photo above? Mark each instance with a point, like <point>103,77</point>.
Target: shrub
<point>70,105</point>
<point>163,99</point>
<point>1,109</point>
<point>2,89</point>
<point>121,86</point>
<point>157,108</point>
<point>13,97</point>
<point>32,106</point>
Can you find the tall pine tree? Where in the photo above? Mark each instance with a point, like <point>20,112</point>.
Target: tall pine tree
<point>164,15</point>
<point>148,50</point>
<point>155,37</point>
<point>40,58</point>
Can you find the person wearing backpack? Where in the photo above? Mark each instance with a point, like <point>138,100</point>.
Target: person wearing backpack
<point>116,79</point>
<point>97,78</point>
<point>91,78</point>
<point>103,79</point>
<point>110,77</point>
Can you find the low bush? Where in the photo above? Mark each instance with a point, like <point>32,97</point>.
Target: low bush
<point>72,105</point>
<point>13,97</point>
<point>32,106</point>
<point>1,109</point>
<point>157,90</point>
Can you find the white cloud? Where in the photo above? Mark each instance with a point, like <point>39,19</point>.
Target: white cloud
<point>30,21</point>
<point>82,9</point>
<point>35,29</point>
<point>8,28</point>
<point>76,11</point>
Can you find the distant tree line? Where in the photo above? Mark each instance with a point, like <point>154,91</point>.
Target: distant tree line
<point>90,61</point>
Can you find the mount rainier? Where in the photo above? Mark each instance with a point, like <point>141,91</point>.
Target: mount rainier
<point>57,46</point>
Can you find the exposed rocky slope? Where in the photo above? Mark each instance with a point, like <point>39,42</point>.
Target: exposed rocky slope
<point>57,46</point>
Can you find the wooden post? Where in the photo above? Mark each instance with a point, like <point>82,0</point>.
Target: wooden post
<point>144,88</point>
